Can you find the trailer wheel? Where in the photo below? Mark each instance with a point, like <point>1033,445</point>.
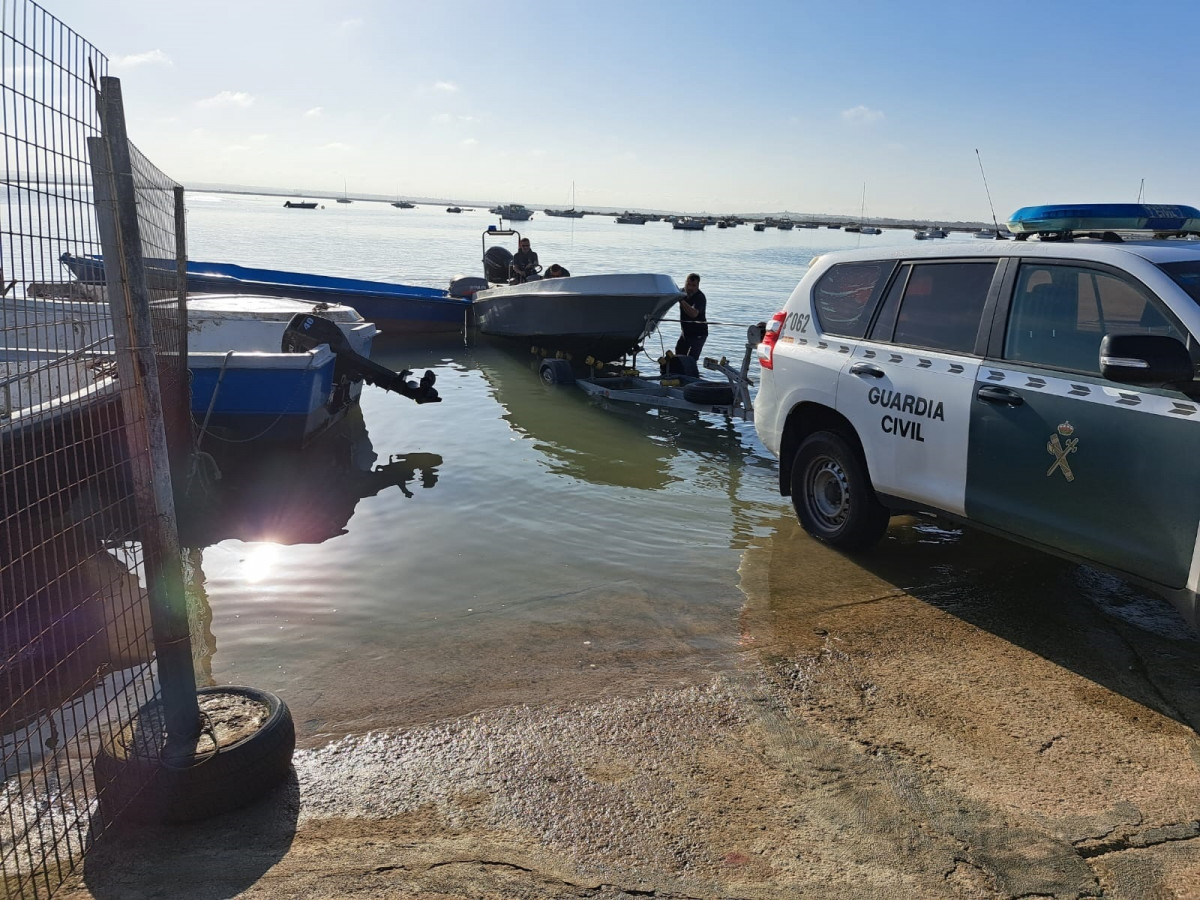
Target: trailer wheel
<point>556,371</point>
<point>134,783</point>
<point>709,393</point>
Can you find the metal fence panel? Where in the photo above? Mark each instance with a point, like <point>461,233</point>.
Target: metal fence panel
<point>76,643</point>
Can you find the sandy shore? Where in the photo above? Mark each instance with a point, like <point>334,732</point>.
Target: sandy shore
<point>1009,726</point>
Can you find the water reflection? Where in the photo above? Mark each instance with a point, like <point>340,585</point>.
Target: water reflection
<point>610,442</point>
<point>801,594</point>
<point>566,431</point>
<point>298,496</point>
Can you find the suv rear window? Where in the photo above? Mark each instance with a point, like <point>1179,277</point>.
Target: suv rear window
<point>936,306</point>
<point>844,299</point>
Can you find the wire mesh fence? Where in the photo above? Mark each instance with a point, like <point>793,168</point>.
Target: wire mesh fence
<point>79,564</point>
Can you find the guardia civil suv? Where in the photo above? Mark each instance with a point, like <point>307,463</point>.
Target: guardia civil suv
<point>1044,389</point>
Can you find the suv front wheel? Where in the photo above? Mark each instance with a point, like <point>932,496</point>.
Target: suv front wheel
<point>832,493</point>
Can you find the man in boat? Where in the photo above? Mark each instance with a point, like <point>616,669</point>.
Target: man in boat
<point>692,307</point>
<point>525,263</point>
<point>556,271</point>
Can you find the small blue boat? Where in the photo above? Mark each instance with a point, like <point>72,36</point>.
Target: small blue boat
<point>279,370</point>
<point>268,370</point>
<point>393,308</point>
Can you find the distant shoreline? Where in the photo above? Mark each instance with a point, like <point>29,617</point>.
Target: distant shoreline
<point>823,218</point>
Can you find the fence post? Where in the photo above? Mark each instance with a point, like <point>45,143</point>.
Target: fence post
<point>129,301</point>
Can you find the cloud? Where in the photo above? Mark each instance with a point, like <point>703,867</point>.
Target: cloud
<point>314,113</point>
<point>350,24</point>
<point>861,115</point>
<point>149,58</point>
<point>470,142</point>
<point>227,98</point>
<point>448,86</point>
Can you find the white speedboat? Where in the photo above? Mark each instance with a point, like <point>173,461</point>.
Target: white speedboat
<point>604,316</point>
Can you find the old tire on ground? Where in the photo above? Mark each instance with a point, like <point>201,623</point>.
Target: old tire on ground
<point>136,785</point>
<point>832,493</point>
<point>709,393</point>
<point>556,371</point>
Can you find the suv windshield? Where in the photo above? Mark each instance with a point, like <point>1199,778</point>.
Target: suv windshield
<point>1186,275</point>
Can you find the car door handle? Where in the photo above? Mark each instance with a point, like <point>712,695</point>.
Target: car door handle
<point>862,368</point>
<point>991,394</point>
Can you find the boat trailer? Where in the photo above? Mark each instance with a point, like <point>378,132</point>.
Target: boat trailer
<point>679,386</point>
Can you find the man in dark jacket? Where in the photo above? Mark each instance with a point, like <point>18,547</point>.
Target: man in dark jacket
<point>525,263</point>
<point>693,324</point>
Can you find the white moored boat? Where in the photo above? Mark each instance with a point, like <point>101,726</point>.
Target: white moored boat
<point>604,316</point>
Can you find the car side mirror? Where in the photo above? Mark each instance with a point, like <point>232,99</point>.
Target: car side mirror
<point>1145,359</point>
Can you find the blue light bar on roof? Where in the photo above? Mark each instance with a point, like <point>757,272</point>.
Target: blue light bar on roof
<point>1104,217</point>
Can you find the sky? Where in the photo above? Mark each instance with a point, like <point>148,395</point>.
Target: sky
<point>914,110</point>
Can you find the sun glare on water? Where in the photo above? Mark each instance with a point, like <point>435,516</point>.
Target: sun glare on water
<point>259,562</point>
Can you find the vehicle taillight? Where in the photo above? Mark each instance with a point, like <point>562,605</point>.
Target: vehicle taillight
<point>766,350</point>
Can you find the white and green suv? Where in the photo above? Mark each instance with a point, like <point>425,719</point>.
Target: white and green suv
<point>1045,390</point>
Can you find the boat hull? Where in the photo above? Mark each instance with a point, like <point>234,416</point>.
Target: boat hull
<point>606,316</point>
<point>394,308</point>
<point>246,387</point>
<point>277,398</point>
<point>240,378</point>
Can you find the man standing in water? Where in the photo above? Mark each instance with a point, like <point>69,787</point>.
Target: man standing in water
<point>692,322</point>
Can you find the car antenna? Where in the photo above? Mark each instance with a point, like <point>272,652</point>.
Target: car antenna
<point>1141,190</point>
<point>989,194</point>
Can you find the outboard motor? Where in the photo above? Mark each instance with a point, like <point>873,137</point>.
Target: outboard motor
<point>497,262</point>
<point>307,331</point>
<point>467,285</point>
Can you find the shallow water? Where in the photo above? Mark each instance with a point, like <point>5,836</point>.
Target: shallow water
<point>425,557</point>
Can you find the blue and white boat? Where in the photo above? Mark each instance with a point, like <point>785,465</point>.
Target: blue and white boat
<point>246,387</point>
<point>267,369</point>
<point>280,370</point>
<point>393,308</point>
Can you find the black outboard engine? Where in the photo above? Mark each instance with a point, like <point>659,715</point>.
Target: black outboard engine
<point>306,331</point>
<point>467,285</point>
<point>496,264</point>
